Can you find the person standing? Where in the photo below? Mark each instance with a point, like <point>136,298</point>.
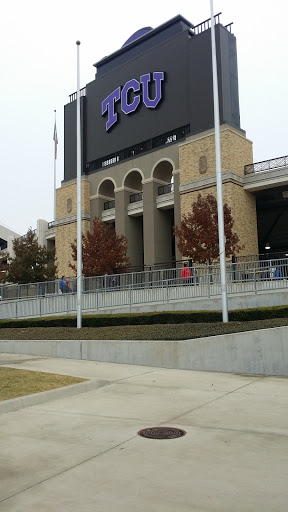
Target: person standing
<point>67,288</point>
<point>185,277</point>
<point>62,284</point>
<point>278,273</point>
<point>114,282</point>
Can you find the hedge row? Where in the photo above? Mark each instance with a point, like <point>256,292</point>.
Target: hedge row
<point>175,317</point>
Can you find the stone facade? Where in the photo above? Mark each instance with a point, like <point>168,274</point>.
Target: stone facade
<point>66,222</point>
<point>149,229</point>
<point>236,151</point>
<point>198,175</point>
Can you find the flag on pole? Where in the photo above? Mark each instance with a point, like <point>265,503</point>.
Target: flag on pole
<point>55,138</point>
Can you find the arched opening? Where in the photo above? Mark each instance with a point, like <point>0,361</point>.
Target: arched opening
<point>106,188</point>
<point>163,171</point>
<point>133,181</point>
<point>106,201</point>
<point>164,218</point>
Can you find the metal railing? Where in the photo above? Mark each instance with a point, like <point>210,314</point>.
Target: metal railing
<point>239,269</point>
<point>154,286</point>
<point>262,257</point>
<point>228,27</point>
<point>108,205</point>
<point>165,189</point>
<point>206,24</point>
<point>134,198</point>
<point>267,165</point>
<point>137,277</point>
<point>138,149</point>
<point>73,96</point>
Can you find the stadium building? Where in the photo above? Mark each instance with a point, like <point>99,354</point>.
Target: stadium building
<point>148,147</point>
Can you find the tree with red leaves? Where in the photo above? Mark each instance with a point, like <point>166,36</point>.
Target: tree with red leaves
<point>198,232</point>
<point>103,251</point>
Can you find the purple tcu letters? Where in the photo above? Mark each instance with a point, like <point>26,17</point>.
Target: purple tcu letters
<point>109,103</point>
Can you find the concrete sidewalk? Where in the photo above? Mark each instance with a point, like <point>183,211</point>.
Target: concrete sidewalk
<point>82,453</point>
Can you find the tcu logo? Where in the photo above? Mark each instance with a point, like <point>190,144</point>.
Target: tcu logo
<point>108,105</point>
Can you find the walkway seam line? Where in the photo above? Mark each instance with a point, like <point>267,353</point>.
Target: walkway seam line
<point>67,469</point>
<point>218,398</point>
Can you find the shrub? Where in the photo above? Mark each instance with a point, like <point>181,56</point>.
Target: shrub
<point>171,317</point>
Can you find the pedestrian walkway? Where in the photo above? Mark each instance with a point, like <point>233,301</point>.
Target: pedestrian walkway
<point>82,453</point>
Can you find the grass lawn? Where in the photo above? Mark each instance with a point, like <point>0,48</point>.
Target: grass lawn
<point>15,383</point>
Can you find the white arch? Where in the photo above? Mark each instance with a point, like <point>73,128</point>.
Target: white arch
<point>129,172</point>
<point>106,179</point>
<point>162,160</point>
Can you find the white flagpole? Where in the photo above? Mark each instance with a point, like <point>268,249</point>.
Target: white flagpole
<point>55,156</point>
<point>79,207</point>
<point>221,233</point>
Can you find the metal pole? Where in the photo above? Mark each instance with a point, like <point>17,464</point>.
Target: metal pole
<point>55,170</point>
<point>54,189</point>
<point>79,207</point>
<point>218,172</point>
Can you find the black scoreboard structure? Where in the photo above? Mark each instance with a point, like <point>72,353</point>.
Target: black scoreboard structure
<point>148,147</point>
<point>154,90</point>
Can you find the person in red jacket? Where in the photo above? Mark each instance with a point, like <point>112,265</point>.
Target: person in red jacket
<point>185,277</point>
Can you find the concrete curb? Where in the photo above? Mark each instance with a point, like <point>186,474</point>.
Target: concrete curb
<point>53,394</point>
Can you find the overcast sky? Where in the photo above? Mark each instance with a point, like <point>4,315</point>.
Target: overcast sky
<point>38,72</point>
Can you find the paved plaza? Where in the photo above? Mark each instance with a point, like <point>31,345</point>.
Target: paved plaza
<point>82,452</point>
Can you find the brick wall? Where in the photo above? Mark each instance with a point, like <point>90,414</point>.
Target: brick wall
<point>236,151</point>
<point>197,161</point>
<point>66,231</point>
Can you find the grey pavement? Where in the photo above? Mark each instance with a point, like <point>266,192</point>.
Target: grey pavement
<point>82,452</point>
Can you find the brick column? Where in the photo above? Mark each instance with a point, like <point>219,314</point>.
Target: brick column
<point>66,223</point>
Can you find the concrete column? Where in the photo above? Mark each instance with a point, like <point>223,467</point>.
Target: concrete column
<point>96,208</point>
<point>177,209</point>
<point>130,226</point>
<point>10,240</point>
<point>157,227</point>
<point>42,227</point>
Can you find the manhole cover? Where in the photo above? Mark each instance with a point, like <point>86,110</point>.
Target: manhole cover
<point>161,432</point>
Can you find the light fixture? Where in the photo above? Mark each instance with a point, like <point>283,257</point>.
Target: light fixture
<point>267,245</point>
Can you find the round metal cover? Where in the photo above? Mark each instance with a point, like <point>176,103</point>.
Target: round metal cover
<point>162,432</point>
